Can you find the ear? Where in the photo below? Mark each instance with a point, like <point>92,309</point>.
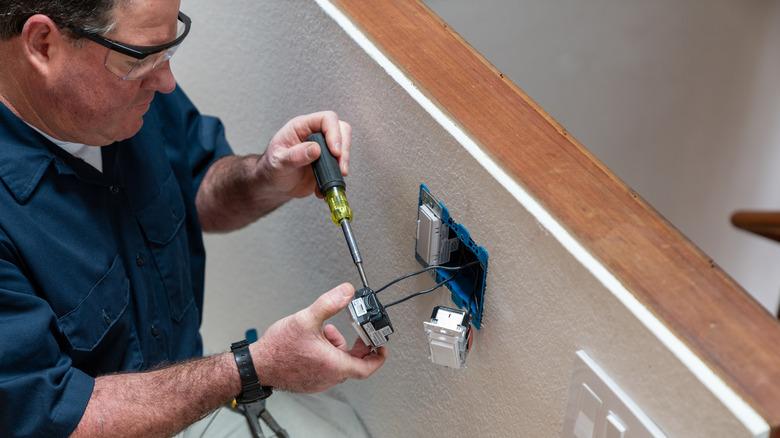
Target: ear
<point>41,41</point>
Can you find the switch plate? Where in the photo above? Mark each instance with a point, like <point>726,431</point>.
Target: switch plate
<point>598,408</point>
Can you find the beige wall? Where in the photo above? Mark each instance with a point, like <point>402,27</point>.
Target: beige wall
<point>256,64</point>
<point>680,98</point>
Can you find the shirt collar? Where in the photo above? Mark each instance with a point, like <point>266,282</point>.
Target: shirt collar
<point>90,154</point>
<point>24,156</point>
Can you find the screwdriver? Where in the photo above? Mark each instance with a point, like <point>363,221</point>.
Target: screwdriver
<point>332,186</point>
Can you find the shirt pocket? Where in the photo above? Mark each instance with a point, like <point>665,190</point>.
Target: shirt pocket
<point>162,222</point>
<point>87,324</point>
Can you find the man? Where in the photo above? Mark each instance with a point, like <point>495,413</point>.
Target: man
<point>101,256</point>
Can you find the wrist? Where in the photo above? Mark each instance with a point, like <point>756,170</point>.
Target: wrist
<point>252,390</point>
<point>261,362</point>
<point>228,363</point>
<point>263,179</point>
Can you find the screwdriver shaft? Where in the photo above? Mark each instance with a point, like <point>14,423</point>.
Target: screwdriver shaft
<point>353,250</point>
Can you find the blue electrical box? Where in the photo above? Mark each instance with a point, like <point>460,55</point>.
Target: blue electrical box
<point>440,240</point>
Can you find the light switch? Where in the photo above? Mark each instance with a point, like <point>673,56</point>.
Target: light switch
<point>583,426</point>
<point>615,428</point>
<point>599,408</point>
<point>589,408</point>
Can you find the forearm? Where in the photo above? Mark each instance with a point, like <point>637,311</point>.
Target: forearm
<point>160,402</point>
<point>234,194</point>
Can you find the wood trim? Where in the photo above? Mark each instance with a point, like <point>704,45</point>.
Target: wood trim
<point>702,305</point>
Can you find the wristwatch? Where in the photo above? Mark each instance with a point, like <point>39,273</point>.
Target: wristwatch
<point>251,389</point>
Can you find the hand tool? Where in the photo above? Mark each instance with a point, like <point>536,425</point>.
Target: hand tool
<point>331,185</point>
<point>256,411</point>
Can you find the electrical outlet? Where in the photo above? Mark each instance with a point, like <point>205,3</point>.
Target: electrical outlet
<point>440,240</point>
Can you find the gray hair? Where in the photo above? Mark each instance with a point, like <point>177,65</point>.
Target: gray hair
<point>90,15</point>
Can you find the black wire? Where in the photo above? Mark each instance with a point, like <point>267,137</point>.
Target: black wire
<point>445,268</point>
<point>476,292</point>
<point>423,292</point>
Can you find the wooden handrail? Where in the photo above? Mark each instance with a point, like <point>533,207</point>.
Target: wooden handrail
<point>702,305</point>
<point>763,223</point>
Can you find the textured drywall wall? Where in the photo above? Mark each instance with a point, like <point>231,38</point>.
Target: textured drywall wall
<point>256,64</point>
<point>678,97</point>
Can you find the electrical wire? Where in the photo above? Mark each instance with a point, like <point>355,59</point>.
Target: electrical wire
<point>442,267</point>
<point>423,292</point>
<point>476,292</point>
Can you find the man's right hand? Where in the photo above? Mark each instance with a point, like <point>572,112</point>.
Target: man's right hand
<point>298,354</point>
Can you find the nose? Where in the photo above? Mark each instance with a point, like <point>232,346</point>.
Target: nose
<point>161,79</point>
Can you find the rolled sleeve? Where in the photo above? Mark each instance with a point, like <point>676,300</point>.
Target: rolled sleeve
<point>207,136</point>
<point>41,393</point>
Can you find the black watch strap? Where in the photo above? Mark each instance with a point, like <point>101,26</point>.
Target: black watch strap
<point>251,390</point>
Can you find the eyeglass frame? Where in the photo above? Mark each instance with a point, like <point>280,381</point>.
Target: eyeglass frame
<point>137,52</point>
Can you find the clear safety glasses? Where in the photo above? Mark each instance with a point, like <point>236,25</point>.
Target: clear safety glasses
<point>131,62</point>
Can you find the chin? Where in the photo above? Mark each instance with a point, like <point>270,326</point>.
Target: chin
<point>131,131</point>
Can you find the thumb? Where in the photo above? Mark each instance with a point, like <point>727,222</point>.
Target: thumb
<point>331,302</point>
<point>298,155</point>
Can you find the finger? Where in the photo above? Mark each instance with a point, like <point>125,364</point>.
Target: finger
<point>326,122</point>
<point>361,368</point>
<point>359,349</point>
<point>331,128</point>
<point>334,336</point>
<point>330,303</point>
<point>346,145</point>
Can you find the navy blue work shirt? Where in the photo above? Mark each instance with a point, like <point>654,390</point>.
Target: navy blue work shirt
<point>99,272</point>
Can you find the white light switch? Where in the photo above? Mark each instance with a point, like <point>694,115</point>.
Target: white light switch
<point>583,426</point>
<point>615,428</point>
<point>590,405</point>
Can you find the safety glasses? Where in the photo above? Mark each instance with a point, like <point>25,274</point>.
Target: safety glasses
<point>131,62</point>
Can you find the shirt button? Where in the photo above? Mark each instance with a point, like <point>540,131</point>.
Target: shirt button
<point>139,260</point>
<point>155,331</point>
<point>114,189</point>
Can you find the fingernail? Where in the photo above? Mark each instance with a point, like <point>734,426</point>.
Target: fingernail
<point>310,151</point>
<point>337,146</point>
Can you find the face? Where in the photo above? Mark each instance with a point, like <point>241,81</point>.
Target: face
<point>96,107</point>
